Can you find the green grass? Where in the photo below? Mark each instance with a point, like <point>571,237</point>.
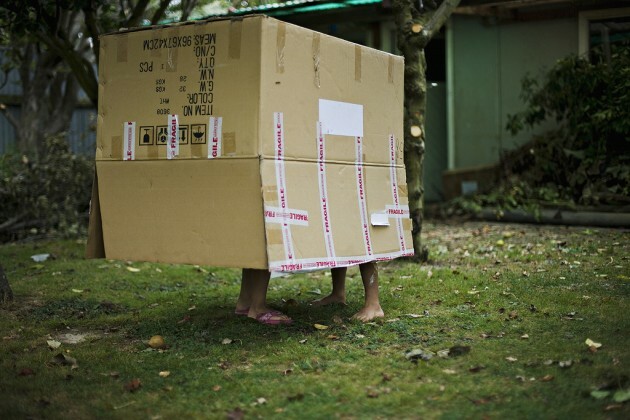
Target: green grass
<point>557,286</point>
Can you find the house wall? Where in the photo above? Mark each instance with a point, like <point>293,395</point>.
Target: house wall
<point>486,65</point>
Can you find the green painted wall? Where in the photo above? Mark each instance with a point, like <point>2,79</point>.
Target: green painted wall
<point>488,63</point>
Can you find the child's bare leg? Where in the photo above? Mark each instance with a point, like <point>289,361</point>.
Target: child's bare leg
<point>338,294</point>
<point>372,308</point>
<point>253,295</point>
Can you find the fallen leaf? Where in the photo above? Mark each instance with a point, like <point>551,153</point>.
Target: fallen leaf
<point>449,371</point>
<point>287,372</point>
<point>611,407</point>
<point>53,344</point>
<point>216,388</point>
<point>192,308</point>
<point>164,374</point>
<point>226,341</point>
<point>303,341</point>
<point>513,315</point>
<point>393,320</point>
<point>157,342</point>
<point>511,359</point>
<point>547,378</point>
<point>40,257</point>
<point>320,326</point>
<point>565,363</point>
<point>413,315</point>
<point>333,337</point>
<point>133,385</point>
<point>77,290</point>
<point>443,353</point>
<point>133,269</point>
<point>591,343</point>
<point>525,336</point>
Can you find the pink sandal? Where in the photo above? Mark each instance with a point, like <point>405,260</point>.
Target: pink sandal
<point>267,318</point>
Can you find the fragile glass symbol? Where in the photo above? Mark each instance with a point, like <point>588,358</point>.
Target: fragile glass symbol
<point>146,138</point>
<point>198,134</point>
<point>162,135</point>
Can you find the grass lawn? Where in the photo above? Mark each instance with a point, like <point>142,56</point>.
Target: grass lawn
<point>495,326</point>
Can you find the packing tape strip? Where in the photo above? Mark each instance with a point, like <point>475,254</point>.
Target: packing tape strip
<point>129,143</point>
<point>172,54</point>
<point>315,47</point>
<point>394,187</point>
<point>280,41</point>
<point>172,147</point>
<point>274,236</point>
<point>286,216</point>
<point>323,192</point>
<point>270,194</point>
<point>121,48</point>
<point>215,142</point>
<point>309,264</point>
<point>360,175</point>
<point>234,49</point>
<point>278,125</point>
<point>357,63</point>
<point>229,143</point>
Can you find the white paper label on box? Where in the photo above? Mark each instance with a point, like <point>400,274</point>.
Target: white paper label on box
<point>129,152</point>
<point>214,147</point>
<point>379,219</point>
<point>341,118</point>
<point>172,148</point>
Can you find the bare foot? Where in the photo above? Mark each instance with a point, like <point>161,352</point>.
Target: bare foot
<point>328,300</point>
<point>369,313</point>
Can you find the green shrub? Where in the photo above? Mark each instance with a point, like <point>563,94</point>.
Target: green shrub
<point>47,197</point>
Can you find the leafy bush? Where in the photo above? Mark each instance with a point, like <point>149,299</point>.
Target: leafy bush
<point>50,196</point>
<point>585,160</point>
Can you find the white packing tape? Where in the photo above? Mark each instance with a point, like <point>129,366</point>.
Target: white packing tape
<point>396,209</point>
<point>323,192</point>
<point>360,172</point>
<point>278,125</point>
<point>214,146</point>
<point>286,216</point>
<point>172,148</point>
<point>129,143</point>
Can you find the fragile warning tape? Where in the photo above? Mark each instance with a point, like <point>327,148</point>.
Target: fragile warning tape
<point>397,211</point>
<point>214,146</point>
<point>323,192</point>
<point>286,216</point>
<point>129,143</point>
<point>278,125</point>
<point>172,148</point>
<point>306,264</point>
<point>365,227</point>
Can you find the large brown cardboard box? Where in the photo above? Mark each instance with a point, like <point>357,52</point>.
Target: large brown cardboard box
<point>248,143</point>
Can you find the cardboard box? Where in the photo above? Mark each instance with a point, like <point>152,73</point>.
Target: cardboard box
<point>248,143</point>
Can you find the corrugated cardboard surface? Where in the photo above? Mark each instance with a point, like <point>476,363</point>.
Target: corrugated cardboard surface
<point>293,201</point>
<point>183,211</point>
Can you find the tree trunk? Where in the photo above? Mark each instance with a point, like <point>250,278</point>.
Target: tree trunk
<point>415,28</point>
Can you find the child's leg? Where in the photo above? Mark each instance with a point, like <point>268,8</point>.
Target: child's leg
<point>338,294</point>
<point>372,308</point>
<point>253,295</point>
